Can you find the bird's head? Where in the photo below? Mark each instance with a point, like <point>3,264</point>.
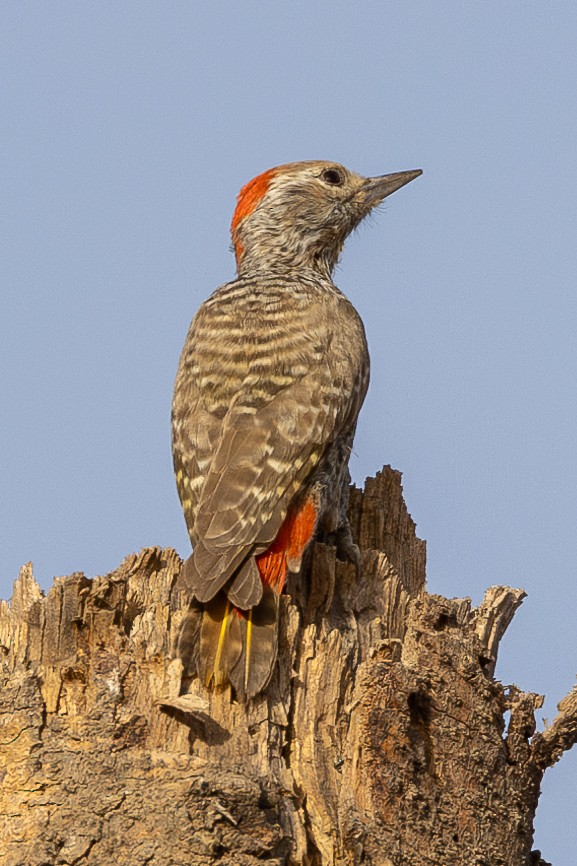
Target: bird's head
<point>299,215</point>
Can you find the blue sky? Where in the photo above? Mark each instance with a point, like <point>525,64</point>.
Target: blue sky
<point>127,130</point>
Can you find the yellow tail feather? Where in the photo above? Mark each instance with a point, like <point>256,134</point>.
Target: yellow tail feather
<point>247,648</point>
<point>216,673</point>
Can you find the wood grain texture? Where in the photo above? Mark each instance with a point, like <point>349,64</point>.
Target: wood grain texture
<point>381,740</point>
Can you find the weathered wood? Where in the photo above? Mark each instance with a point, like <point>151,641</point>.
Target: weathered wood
<point>381,739</point>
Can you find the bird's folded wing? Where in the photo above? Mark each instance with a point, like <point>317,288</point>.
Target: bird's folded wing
<point>259,466</point>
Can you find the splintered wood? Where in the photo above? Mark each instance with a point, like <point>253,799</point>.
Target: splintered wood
<point>381,739</point>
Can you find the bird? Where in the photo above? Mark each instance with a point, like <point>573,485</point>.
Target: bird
<point>271,379</point>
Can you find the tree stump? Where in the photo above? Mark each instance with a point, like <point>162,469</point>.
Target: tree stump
<point>381,739</point>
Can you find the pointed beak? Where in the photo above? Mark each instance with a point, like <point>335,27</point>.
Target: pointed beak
<point>378,188</point>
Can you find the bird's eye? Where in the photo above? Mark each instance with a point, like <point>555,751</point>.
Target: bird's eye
<point>333,176</point>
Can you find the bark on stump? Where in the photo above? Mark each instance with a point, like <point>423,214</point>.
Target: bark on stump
<point>381,739</point>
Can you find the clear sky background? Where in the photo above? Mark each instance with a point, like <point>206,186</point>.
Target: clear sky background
<point>127,131</point>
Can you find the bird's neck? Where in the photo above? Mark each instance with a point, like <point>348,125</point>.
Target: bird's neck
<point>275,249</point>
<point>284,261</point>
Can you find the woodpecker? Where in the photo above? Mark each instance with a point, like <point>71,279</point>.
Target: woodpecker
<point>270,383</point>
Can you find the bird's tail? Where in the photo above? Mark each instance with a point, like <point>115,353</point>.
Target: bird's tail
<point>223,644</point>
<point>226,644</point>
<point>238,646</point>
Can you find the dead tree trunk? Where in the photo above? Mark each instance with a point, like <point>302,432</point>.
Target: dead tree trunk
<point>381,739</point>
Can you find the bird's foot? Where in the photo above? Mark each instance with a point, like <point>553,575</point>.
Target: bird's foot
<point>346,549</point>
